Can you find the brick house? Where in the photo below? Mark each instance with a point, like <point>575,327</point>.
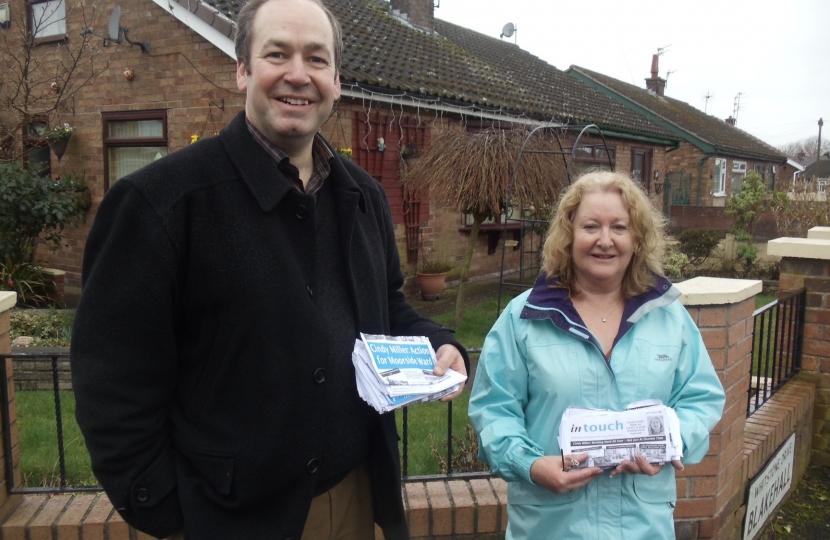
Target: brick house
<point>713,158</point>
<point>404,75</point>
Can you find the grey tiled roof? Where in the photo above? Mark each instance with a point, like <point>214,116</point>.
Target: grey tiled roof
<point>463,66</point>
<point>820,169</point>
<point>729,140</point>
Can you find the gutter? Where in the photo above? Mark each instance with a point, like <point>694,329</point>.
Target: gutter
<point>636,136</point>
<point>357,91</point>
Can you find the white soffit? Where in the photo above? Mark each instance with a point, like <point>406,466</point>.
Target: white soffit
<point>224,43</point>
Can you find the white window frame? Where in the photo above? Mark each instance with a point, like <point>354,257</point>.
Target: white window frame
<point>47,20</point>
<point>738,169</point>
<point>720,177</point>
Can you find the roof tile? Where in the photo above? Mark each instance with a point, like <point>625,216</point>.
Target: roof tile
<point>461,65</point>
<point>729,140</point>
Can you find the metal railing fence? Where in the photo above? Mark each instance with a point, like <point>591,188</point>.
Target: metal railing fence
<point>776,346</point>
<point>12,479</point>
<point>450,473</point>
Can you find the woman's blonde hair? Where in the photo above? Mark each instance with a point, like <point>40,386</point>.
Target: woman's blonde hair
<point>646,223</point>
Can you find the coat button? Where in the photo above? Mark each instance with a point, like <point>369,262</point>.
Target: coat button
<point>143,495</point>
<point>301,212</point>
<point>309,291</point>
<point>319,375</point>
<point>312,466</point>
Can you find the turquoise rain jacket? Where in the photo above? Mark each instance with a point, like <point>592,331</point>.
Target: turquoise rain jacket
<point>539,358</point>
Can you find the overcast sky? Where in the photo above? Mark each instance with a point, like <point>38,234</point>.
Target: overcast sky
<point>777,54</point>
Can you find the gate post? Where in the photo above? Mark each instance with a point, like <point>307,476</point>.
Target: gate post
<point>9,428</point>
<point>806,263</point>
<point>709,494</point>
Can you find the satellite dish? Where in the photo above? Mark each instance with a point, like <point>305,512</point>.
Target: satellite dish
<point>115,25</point>
<point>508,30</point>
<point>118,33</point>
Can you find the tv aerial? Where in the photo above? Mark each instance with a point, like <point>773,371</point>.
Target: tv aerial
<point>509,30</point>
<point>118,33</point>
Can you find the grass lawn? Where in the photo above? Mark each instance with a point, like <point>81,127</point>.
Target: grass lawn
<point>39,461</point>
<point>427,421</point>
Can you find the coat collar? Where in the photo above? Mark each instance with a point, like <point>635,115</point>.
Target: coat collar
<point>261,175</point>
<point>547,301</point>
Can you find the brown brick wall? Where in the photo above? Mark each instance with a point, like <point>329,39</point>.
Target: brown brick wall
<point>815,363</point>
<point>687,158</point>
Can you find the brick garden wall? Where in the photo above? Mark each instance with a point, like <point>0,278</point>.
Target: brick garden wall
<point>711,495</point>
<point>814,274</point>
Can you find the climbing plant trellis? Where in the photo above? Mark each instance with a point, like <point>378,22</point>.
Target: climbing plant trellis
<point>533,221</point>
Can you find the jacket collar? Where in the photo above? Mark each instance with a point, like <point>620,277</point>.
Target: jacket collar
<point>547,301</point>
<point>260,173</point>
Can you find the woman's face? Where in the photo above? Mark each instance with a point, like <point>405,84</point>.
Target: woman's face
<point>655,424</point>
<point>603,241</point>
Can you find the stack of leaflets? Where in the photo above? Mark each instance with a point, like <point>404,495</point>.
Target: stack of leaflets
<point>393,371</point>
<point>648,428</point>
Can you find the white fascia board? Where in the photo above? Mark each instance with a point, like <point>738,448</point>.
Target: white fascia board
<point>436,105</point>
<point>224,43</point>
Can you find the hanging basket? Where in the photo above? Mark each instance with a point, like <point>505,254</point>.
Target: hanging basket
<point>59,147</point>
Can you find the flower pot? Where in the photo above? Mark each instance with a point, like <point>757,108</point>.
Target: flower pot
<point>431,285</point>
<point>59,147</point>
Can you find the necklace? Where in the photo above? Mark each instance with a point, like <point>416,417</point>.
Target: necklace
<point>608,313</point>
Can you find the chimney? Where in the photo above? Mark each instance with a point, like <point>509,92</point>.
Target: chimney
<point>730,121</point>
<point>655,83</point>
<point>418,13</point>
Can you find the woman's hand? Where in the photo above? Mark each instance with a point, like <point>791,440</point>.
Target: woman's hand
<point>548,472</point>
<point>640,465</point>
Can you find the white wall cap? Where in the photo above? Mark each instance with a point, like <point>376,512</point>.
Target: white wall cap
<point>8,300</point>
<point>703,291</point>
<point>822,233</point>
<point>800,248</point>
<point>52,271</point>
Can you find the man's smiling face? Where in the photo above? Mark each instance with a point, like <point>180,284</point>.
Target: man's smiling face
<point>291,82</point>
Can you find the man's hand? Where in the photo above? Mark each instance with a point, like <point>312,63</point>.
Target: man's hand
<point>449,357</point>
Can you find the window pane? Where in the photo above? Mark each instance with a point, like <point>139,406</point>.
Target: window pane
<point>124,161</point>
<point>35,131</point>
<point>49,18</point>
<point>637,170</point>
<point>39,161</point>
<point>135,129</point>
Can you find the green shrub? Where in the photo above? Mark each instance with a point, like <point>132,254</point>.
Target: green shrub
<point>27,280</point>
<point>675,264</point>
<point>698,244</point>
<point>35,208</point>
<point>49,328</point>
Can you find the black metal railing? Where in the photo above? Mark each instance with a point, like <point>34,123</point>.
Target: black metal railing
<point>54,361</point>
<point>5,409</point>
<point>776,346</point>
<point>450,473</point>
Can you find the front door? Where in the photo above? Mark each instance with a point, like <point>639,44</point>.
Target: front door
<point>641,167</point>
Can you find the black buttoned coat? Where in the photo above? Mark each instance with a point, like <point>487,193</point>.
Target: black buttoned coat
<point>198,355</point>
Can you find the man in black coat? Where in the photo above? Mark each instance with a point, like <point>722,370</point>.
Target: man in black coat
<point>224,286</point>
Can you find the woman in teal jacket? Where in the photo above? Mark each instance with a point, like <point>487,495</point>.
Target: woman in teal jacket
<point>601,328</point>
